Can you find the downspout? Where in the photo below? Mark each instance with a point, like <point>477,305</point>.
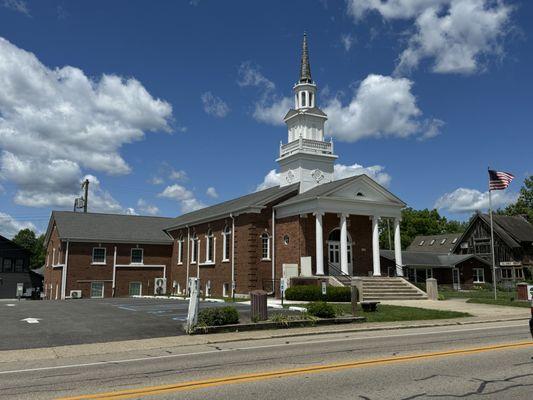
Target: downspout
<point>273,255</point>
<point>233,283</point>
<point>64,275</point>
<point>188,259</point>
<point>114,270</point>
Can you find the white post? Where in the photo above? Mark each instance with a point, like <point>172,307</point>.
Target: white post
<point>64,272</point>
<point>492,248</point>
<point>319,244</point>
<point>344,246</point>
<point>398,247</point>
<point>192,315</point>
<point>375,246</point>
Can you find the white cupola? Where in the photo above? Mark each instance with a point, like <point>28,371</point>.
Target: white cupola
<point>306,158</point>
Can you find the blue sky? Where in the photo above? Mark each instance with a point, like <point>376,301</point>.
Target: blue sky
<point>170,106</point>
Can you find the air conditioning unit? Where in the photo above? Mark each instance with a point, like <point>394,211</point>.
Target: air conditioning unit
<point>160,286</point>
<point>75,294</point>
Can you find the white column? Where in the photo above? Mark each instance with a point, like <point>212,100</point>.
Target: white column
<point>375,246</point>
<point>319,244</point>
<point>398,247</point>
<point>344,246</point>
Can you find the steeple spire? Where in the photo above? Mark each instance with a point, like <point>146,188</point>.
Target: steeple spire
<point>305,67</point>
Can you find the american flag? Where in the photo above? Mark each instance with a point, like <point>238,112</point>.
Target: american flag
<point>499,180</point>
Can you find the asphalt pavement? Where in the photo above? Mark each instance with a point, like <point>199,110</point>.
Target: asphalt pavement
<point>489,361</point>
<point>33,324</point>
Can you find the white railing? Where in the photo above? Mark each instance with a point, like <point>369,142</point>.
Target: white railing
<point>306,145</point>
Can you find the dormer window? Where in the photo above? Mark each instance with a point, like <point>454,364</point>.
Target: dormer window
<point>454,240</point>
<point>421,243</point>
<point>443,241</point>
<point>432,242</point>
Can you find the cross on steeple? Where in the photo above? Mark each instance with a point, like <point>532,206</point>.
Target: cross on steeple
<point>305,67</point>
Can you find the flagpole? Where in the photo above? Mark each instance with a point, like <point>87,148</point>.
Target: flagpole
<point>492,245</point>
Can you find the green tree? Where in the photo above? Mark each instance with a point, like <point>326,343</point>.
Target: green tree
<point>524,203</point>
<point>27,239</point>
<point>418,222</point>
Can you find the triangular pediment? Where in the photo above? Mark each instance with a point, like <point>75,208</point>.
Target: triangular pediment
<point>364,189</point>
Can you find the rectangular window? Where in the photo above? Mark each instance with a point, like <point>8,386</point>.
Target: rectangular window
<point>225,290</point>
<point>482,246</point>
<point>226,246</point>
<point>180,251</point>
<point>265,247</point>
<point>7,265</point>
<point>97,290</point>
<point>135,289</point>
<point>507,273</point>
<point>99,254</point>
<point>519,273</point>
<point>209,245</point>
<point>194,250</point>
<point>479,275</point>
<point>137,256</point>
<point>19,265</point>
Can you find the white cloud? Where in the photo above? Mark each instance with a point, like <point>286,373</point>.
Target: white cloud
<point>463,200</point>
<point>9,226</point>
<point>458,35</point>
<point>214,105</point>
<point>179,175</point>
<point>147,208</point>
<point>271,107</point>
<point>17,5</point>
<point>185,197</point>
<point>381,106</point>
<point>59,121</point>
<point>156,180</point>
<point>347,41</point>
<point>212,192</point>
<point>340,171</point>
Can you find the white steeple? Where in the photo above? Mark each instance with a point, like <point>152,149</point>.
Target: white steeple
<point>306,158</point>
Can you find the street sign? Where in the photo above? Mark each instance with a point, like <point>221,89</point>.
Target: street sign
<point>324,288</point>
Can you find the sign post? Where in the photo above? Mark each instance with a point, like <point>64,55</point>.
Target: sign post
<point>192,315</point>
<point>20,290</point>
<point>282,288</point>
<point>324,289</point>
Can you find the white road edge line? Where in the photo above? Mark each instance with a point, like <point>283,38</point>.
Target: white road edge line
<point>307,342</point>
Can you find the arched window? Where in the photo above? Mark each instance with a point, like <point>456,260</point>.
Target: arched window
<point>265,246</point>
<point>209,246</point>
<point>311,100</point>
<point>180,249</point>
<point>194,248</point>
<point>226,243</point>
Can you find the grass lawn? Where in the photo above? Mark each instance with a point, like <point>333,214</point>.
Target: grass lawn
<point>387,313</point>
<point>486,297</point>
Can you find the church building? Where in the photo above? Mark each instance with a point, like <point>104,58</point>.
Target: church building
<point>308,226</point>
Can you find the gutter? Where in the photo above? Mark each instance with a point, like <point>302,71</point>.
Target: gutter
<point>188,259</point>
<point>233,283</point>
<point>273,255</point>
<point>114,271</point>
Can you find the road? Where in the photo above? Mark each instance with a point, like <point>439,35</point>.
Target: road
<point>491,361</point>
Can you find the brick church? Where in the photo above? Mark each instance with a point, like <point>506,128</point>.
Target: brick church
<point>308,226</point>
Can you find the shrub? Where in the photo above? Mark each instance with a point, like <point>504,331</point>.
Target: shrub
<point>217,316</point>
<point>321,310</point>
<point>314,293</point>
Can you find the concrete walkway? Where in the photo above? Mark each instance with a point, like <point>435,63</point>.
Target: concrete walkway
<point>488,311</point>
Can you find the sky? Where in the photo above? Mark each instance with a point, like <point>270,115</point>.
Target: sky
<point>167,107</point>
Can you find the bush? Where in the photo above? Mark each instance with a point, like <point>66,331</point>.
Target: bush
<point>217,316</point>
<point>314,293</point>
<point>321,310</point>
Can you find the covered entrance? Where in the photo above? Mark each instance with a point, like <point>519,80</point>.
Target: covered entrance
<point>334,250</point>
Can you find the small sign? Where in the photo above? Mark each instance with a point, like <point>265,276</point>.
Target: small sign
<point>510,263</point>
<point>283,285</point>
<point>20,289</point>
<point>324,288</point>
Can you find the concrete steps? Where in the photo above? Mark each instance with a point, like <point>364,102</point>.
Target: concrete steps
<point>390,288</point>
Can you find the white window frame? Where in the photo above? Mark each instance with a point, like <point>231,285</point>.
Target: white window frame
<point>180,251</point>
<point>225,289</point>
<point>103,290</point>
<point>142,256</point>
<point>209,258</point>
<point>105,256</point>
<point>477,275</point>
<point>226,233</point>
<point>194,249</point>
<point>266,236</point>
<point>140,288</point>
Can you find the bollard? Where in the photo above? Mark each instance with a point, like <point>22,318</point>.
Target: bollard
<point>355,297</point>
<point>432,289</point>
<point>258,302</point>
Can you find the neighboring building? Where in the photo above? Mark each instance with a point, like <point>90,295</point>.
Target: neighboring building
<point>307,226</point>
<point>434,243</point>
<point>105,255</point>
<point>513,245</point>
<point>15,269</point>
<point>455,270</point>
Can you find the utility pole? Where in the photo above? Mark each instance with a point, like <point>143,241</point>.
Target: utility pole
<point>85,185</point>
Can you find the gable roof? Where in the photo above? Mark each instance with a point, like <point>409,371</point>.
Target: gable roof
<point>328,188</point>
<point>425,259</point>
<point>7,244</point>
<point>314,111</point>
<point>250,202</point>
<point>443,243</point>
<point>512,230</point>
<point>97,227</point>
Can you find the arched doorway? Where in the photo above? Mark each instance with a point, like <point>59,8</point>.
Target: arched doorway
<point>334,250</point>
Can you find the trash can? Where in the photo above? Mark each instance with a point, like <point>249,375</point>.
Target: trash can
<point>258,300</point>
<point>521,291</point>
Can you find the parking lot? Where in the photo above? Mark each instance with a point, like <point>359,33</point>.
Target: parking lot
<point>32,324</point>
